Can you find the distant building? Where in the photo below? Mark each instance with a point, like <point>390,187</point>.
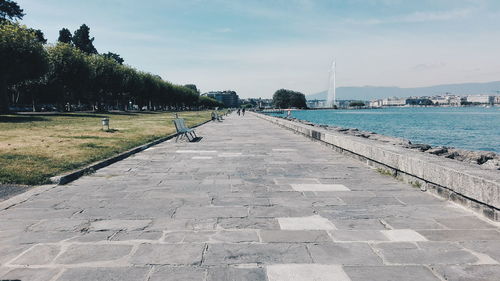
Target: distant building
<point>497,99</point>
<point>228,98</point>
<point>440,100</point>
<point>394,101</point>
<point>316,103</point>
<point>419,101</point>
<point>376,103</point>
<point>258,102</point>
<point>483,99</point>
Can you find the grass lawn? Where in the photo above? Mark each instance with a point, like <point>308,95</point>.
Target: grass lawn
<point>35,147</point>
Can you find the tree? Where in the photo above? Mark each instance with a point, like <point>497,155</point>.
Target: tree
<point>193,87</point>
<point>106,81</point>
<point>82,40</point>
<point>208,102</point>
<point>39,35</point>
<point>22,57</point>
<point>356,104</point>
<point>297,100</point>
<point>65,36</point>
<point>114,56</point>
<point>68,74</point>
<point>286,99</point>
<point>10,10</point>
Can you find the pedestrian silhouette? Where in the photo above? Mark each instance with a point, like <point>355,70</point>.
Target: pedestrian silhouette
<point>243,111</point>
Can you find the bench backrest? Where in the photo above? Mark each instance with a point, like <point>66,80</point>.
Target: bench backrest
<point>179,125</point>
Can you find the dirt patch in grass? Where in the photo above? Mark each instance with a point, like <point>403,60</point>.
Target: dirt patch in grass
<point>34,148</point>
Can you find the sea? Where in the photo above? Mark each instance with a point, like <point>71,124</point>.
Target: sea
<point>471,128</point>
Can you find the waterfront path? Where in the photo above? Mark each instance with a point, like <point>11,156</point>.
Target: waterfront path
<point>250,201</point>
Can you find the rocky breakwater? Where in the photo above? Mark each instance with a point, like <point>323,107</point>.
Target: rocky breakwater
<point>487,160</point>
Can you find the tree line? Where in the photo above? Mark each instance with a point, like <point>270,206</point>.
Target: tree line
<point>72,75</point>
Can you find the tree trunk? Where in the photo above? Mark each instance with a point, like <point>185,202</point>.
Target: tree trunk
<point>4,99</point>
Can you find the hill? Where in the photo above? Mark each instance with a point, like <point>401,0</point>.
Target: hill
<point>370,92</point>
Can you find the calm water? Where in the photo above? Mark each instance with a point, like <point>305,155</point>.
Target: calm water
<point>473,128</point>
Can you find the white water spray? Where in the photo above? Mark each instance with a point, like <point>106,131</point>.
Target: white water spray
<point>331,100</point>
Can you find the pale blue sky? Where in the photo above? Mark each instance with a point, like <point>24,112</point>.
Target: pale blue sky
<point>257,47</point>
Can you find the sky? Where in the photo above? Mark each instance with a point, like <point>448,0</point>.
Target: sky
<point>257,47</point>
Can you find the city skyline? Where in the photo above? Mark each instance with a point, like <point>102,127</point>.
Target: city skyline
<point>258,47</point>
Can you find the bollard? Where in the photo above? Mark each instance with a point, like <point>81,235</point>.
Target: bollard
<point>105,124</point>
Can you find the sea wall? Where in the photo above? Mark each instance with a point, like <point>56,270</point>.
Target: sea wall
<point>468,185</point>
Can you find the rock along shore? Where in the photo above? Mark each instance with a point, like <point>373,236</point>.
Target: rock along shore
<point>488,160</point>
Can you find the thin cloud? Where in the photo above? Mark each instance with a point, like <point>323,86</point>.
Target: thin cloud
<point>428,66</point>
<point>416,17</point>
<point>224,30</point>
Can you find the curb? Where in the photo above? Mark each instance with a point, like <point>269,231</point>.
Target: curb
<point>74,175</point>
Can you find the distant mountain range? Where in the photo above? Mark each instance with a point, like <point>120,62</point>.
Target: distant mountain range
<point>370,93</point>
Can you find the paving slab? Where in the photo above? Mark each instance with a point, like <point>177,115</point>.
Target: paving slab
<point>358,235</point>
<point>306,223</point>
<point>104,274</point>
<point>319,187</point>
<point>468,272</point>
<point>424,253</point>
<point>184,273</point>
<point>305,272</point>
<point>403,235</point>
<point>39,254</point>
<point>344,253</point>
<point>88,253</point>
<point>461,234</point>
<point>390,273</point>
<point>233,274</point>
<point>177,254</point>
<point>250,201</point>
<point>32,274</point>
<point>271,253</point>
<point>295,236</point>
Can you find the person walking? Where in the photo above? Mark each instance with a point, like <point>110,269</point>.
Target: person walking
<point>238,112</point>
<point>243,111</point>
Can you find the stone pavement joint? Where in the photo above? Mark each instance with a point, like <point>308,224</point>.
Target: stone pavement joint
<point>250,201</point>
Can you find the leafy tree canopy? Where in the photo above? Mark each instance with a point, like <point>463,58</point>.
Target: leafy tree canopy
<point>39,35</point>
<point>10,10</point>
<point>208,102</point>
<point>22,56</point>
<point>65,36</point>
<point>69,71</point>
<point>115,57</point>
<point>193,87</point>
<point>21,53</point>
<point>356,103</point>
<point>82,40</point>
<point>287,99</point>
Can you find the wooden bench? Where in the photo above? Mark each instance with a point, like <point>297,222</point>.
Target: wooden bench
<point>182,130</point>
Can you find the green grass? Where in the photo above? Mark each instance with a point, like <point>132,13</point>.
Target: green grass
<point>35,147</point>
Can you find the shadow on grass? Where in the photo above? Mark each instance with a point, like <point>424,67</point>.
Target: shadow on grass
<point>20,119</point>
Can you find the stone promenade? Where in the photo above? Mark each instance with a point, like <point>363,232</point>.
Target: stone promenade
<point>250,201</point>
